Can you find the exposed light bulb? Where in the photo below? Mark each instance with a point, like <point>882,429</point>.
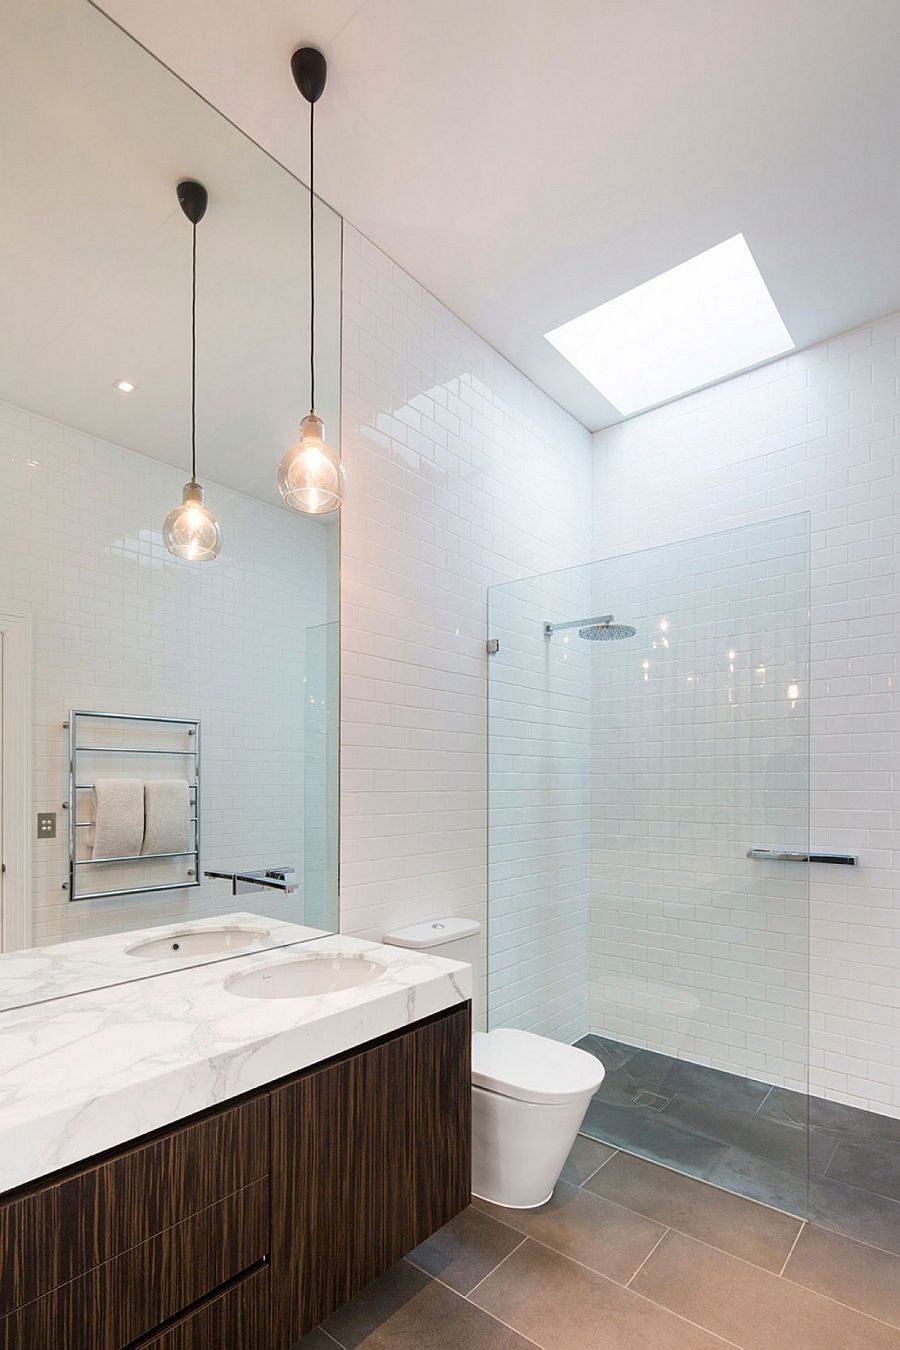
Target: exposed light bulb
<point>311,477</point>
<point>190,532</point>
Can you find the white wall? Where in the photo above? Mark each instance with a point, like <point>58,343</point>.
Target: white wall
<point>462,475</point>
<point>121,626</point>
<point>814,431</point>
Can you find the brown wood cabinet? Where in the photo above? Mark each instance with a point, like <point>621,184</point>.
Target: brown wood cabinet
<point>246,1226</point>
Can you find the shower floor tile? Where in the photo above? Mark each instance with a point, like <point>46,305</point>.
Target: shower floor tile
<point>805,1155</point>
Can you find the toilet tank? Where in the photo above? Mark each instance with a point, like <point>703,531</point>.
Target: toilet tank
<point>455,939</point>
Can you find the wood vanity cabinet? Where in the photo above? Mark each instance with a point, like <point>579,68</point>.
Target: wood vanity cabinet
<point>244,1227</point>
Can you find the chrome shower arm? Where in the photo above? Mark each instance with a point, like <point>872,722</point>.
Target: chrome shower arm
<point>551,628</point>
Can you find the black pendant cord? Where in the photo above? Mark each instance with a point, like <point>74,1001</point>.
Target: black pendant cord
<point>312,263</point>
<point>194,354</point>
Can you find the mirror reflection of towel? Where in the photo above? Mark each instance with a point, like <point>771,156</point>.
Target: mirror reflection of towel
<point>118,817</point>
<point>167,816</point>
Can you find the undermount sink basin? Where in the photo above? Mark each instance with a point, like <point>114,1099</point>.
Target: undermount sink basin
<point>202,942</point>
<point>306,977</point>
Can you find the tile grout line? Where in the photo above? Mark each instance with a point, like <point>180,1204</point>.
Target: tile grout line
<point>649,1218</point>
<point>582,1184</point>
<point>647,1257</point>
<point>703,1181</point>
<point>793,1245</point>
<point>635,1293</point>
<point>331,1338</point>
<point>465,1297</point>
<point>797,1285</point>
<point>497,1266</point>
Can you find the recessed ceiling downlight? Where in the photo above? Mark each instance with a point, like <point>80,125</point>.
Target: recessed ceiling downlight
<point>125,386</point>
<point>701,321</point>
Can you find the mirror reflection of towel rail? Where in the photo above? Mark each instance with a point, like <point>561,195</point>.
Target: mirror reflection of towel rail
<point>795,855</point>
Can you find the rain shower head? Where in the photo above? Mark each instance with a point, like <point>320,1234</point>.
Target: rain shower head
<point>601,629</point>
<point>606,632</point>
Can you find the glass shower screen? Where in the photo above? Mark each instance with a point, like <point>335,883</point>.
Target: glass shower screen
<point>649,734</point>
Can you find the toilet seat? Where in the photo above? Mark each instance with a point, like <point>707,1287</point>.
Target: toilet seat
<point>531,1068</point>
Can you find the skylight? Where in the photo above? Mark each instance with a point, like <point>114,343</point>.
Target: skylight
<point>703,320</point>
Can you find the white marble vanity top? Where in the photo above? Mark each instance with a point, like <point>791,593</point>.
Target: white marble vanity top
<point>40,973</point>
<point>83,1074</point>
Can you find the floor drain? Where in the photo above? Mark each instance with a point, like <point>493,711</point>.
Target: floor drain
<point>651,1100</point>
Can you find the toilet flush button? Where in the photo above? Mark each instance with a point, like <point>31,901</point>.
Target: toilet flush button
<point>439,925</point>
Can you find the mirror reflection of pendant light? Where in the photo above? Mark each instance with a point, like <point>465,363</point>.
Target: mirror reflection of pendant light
<point>311,477</point>
<point>190,532</point>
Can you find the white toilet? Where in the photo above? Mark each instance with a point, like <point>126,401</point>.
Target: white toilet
<point>529,1094</point>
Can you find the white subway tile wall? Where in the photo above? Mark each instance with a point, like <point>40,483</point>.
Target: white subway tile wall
<point>121,626</point>
<point>814,431</point>
<point>700,753</point>
<point>540,799</point>
<point>462,475</point>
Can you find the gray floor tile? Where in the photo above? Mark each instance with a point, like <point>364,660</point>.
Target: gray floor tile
<point>406,1310</point>
<point>466,1249</point>
<point>725,1090</point>
<point>316,1340</point>
<point>585,1157</point>
<point>652,1135</point>
<point>751,1307</point>
<point>707,1119</point>
<point>562,1306</point>
<point>863,1127</point>
<point>739,1226</point>
<point>869,1168</point>
<point>611,1054</point>
<point>588,1228</point>
<point>851,1272</point>
<point>785,1106</point>
<point>761,1179</point>
<point>855,1213</point>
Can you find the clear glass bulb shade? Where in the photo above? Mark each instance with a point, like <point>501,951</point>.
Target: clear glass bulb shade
<point>190,532</point>
<point>311,477</point>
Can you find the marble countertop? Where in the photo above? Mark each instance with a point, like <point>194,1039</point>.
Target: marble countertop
<point>82,1074</point>
<point>41,973</point>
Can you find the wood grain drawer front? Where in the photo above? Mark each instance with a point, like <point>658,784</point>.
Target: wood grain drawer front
<point>235,1320</point>
<point>372,1156</point>
<point>129,1296</point>
<point>54,1233</point>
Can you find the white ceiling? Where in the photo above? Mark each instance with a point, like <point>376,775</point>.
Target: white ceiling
<point>95,257</point>
<point>528,160</point>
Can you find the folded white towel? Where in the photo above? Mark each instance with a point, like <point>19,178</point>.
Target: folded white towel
<point>118,817</point>
<point>167,816</point>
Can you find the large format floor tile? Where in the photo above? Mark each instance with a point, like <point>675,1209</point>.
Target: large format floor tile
<point>466,1249</point>
<point>750,1307</point>
<point>586,1157</point>
<point>406,1310</point>
<point>602,1235</point>
<point>739,1226</point>
<point>604,1267</point>
<point>562,1306</point>
<point>865,1277</point>
<point>764,1143</point>
<point>855,1212</point>
<point>653,1135</point>
<point>872,1169</point>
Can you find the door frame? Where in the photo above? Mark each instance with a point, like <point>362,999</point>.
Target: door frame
<point>15,912</point>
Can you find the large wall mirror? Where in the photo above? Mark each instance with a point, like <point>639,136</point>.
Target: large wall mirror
<point>204,694</point>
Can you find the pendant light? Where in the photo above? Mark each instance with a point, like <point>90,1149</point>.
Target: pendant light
<point>311,477</point>
<point>190,532</point>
